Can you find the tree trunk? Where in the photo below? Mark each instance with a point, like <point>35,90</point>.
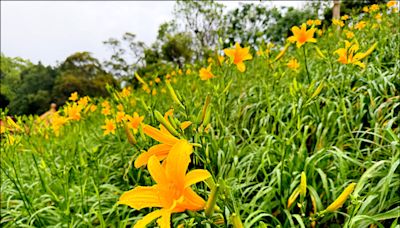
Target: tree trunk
<point>336,9</point>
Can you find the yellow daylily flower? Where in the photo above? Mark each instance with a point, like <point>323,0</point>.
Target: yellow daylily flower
<point>238,55</point>
<point>172,192</point>
<point>302,35</point>
<point>293,64</point>
<point>74,96</point>
<point>109,127</point>
<point>206,74</point>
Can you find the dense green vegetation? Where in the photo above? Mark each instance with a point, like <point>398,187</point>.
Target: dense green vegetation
<point>311,119</point>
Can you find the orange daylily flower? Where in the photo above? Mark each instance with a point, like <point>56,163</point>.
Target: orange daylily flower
<point>134,121</point>
<point>161,150</point>
<point>120,116</point>
<point>74,96</point>
<point>391,4</point>
<point>206,74</point>
<point>360,25</point>
<point>172,192</point>
<point>348,54</point>
<point>109,127</point>
<point>74,111</point>
<point>293,64</point>
<point>238,55</point>
<point>302,35</point>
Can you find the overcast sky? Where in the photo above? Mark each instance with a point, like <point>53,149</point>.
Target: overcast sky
<point>49,31</point>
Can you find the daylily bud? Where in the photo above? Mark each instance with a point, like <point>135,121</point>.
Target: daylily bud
<point>303,184</point>
<point>318,90</point>
<point>236,222</point>
<point>293,197</point>
<point>341,199</point>
<point>165,123</point>
<point>129,135</point>
<point>282,52</point>
<point>204,110</point>
<point>173,94</point>
<point>212,200</point>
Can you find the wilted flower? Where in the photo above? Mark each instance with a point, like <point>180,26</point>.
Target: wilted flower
<point>302,35</point>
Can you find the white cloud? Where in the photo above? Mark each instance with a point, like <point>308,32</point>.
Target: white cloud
<point>50,31</point>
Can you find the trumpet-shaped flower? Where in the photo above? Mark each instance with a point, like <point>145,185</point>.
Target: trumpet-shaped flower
<point>302,35</point>
<point>134,121</point>
<point>293,64</point>
<point>74,96</point>
<point>360,25</point>
<point>161,150</point>
<point>109,127</point>
<point>206,74</point>
<point>348,55</point>
<point>238,55</point>
<point>172,192</point>
<point>391,3</point>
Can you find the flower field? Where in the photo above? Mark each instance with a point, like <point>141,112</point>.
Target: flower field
<point>304,134</point>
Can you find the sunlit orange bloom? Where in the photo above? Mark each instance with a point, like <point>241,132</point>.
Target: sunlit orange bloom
<point>57,122</point>
<point>180,72</point>
<point>157,80</point>
<point>154,91</point>
<point>310,22</point>
<point>338,22</point>
<point>344,17</point>
<point>317,22</point>
<point>206,74</point>
<point>109,127</point>
<point>167,76</point>
<point>238,55</point>
<point>150,83</point>
<point>302,35</point>
<point>378,16</point>
<point>93,107</point>
<point>126,91</point>
<point>172,192</point>
<point>391,4</point>
<point>106,111</point>
<point>348,55</point>
<point>120,116</point>
<point>160,150</point>
<point>373,8</point>
<point>74,112</point>
<point>74,96</point>
<point>134,121</point>
<point>349,35</point>
<point>221,59</point>
<point>105,104</point>
<point>83,101</point>
<point>188,71</point>
<point>210,60</point>
<point>293,64</point>
<point>360,25</point>
<point>365,9</point>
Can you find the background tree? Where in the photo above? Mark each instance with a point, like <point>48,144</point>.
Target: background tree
<point>82,73</point>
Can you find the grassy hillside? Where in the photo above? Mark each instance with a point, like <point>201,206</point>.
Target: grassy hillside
<point>304,137</point>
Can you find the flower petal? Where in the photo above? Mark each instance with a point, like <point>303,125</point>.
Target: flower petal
<point>178,161</point>
<point>158,150</point>
<point>195,176</point>
<point>165,220</point>
<point>192,201</point>
<point>159,136</point>
<point>148,219</point>
<point>241,67</point>
<point>141,197</point>
<point>157,172</point>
